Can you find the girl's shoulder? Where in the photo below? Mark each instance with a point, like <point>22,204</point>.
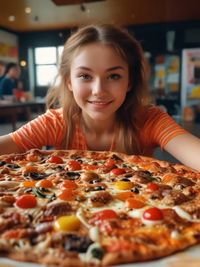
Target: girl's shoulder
<point>54,113</point>
<point>151,111</point>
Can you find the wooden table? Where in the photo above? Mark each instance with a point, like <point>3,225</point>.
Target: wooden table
<point>12,111</point>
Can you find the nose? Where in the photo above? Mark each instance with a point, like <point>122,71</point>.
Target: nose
<point>98,87</point>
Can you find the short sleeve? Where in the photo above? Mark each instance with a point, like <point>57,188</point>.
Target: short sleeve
<point>160,128</point>
<point>45,130</point>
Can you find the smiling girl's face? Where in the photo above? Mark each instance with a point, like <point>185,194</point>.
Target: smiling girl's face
<point>99,80</point>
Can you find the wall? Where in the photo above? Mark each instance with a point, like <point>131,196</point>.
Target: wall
<point>8,46</point>
<point>153,38</point>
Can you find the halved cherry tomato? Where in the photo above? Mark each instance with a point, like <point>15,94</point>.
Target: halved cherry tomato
<point>117,171</point>
<point>26,201</point>
<point>152,187</point>
<point>110,163</point>
<point>44,183</point>
<point>153,214</point>
<point>133,203</point>
<point>68,184</point>
<point>73,165</point>
<point>103,215</point>
<point>55,159</point>
<point>66,194</point>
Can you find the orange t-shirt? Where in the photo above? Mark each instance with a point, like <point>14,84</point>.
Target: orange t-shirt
<point>48,129</point>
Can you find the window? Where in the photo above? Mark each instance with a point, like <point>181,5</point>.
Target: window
<point>46,61</point>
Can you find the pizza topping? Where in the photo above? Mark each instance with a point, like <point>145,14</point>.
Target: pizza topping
<point>73,165</point>
<point>117,171</point>
<point>133,203</point>
<point>77,243</point>
<point>90,177</point>
<point>35,175</point>
<point>174,198</point>
<point>44,183</point>
<point>152,187</point>
<point>153,214</point>
<point>68,184</point>
<point>55,159</point>
<point>12,166</point>
<point>183,214</point>
<point>73,175</point>
<point>28,184</point>
<point>43,193</point>
<point>66,194</point>
<point>57,209</point>
<point>102,215</point>
<point>67,223</point>
<point>2,163</point>
<point>101,198</point>
<point>26,202</point>
<point>123,185</point>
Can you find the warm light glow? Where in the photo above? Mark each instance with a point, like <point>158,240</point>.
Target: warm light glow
<point>27,10</point>
<point>11,18</point>
<point>23,63</point>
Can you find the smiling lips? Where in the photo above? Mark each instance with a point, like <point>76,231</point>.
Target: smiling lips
<point>99,103</point>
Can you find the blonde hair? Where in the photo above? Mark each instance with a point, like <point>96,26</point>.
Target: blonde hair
<point>128,116</point>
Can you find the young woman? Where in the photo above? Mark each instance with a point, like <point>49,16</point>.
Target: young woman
<point>101,103</point>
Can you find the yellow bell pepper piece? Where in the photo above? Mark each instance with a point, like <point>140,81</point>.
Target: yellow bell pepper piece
<point>122,185</point>
<point>67,223</point>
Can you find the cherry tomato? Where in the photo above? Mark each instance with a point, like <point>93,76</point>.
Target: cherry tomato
<point>44,183</point>
<point>103,215</point>
<point>133,203</point>
<point>65,194</point>
<point>26,202</point>
<point>68,184</point>
<point>152,187</point>
<point>73,165</point>
<point>117,171</point>
<point>55,159</point>
<point>153,214</point>
<point>110,163</point>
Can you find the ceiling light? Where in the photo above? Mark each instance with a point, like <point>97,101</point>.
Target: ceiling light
<point>11,18</point>
<point>27,10</point>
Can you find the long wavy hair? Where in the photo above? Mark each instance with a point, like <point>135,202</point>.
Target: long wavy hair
<point>128,116</point>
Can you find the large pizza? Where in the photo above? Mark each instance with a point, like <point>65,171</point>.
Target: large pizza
<point>85,208</point>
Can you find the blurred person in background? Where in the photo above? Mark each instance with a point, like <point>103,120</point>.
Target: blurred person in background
<point>2,69</point>
<point>10,80</point>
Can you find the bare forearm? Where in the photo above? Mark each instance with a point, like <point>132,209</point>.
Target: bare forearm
<point>7,145</point>
<point>185,148</point>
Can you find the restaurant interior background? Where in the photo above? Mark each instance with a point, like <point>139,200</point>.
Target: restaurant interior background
<point>32,33</point>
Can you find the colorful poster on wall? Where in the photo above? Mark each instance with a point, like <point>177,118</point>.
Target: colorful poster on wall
<point>167,74</point>
<point>8,46</point>
<point>191,76</point>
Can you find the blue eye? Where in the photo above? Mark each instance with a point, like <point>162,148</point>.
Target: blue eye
<point>114,76</point>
